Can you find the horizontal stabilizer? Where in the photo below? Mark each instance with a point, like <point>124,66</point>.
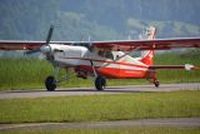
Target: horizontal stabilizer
<point>187,67</point>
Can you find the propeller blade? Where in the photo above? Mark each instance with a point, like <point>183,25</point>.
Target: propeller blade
<point>45,48</point>
<point>49,34</point>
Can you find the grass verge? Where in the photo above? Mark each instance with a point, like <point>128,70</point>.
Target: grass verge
<point>128,130</point>
<point>101,107</point>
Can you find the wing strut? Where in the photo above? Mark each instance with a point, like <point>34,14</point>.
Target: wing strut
<point>93,69</point>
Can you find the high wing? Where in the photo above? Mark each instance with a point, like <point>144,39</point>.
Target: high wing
<point>122,45</point>
<point>20,45</point>
<point>154,44</point>
<point>28,45</point>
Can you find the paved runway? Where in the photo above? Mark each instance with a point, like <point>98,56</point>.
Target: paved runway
<point>92,91</point>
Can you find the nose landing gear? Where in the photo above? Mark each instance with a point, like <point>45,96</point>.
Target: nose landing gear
<point>50,83</point>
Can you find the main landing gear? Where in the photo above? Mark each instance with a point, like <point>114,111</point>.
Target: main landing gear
<point>100,83</point>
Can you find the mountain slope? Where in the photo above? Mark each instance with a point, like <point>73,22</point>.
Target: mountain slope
<point>106,19</point>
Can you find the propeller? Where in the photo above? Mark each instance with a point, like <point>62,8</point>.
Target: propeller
<point>89,45</point>
<point>46,48</point>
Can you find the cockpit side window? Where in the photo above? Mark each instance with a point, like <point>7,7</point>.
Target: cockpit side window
<point>109,55</point>
<point>101,53</point>
<point>106,54</point>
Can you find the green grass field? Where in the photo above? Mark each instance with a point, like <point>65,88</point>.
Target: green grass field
<point>178,76</point>
<point>30,73</point>
<point>128,130</point>
<point>101,107</point>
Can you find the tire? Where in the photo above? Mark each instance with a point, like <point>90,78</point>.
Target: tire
<point>50,83</point>
<point>100,83</point>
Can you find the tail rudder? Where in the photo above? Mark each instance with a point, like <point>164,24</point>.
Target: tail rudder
<point>151,32</point>
<point>147,57</point>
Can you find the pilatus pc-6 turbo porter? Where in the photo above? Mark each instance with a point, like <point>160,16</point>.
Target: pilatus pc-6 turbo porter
<point>104,59</point>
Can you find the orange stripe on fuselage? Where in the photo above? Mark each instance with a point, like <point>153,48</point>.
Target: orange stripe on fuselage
<point>116,73</point>
<point>108,62</point>
<point>134,71</point>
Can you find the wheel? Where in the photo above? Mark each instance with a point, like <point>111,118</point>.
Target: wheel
<point>100,83</point>
<point>50,83</point>
<point>156,83</point>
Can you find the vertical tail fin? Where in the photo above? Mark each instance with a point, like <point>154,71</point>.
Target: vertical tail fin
<point>147,57</point>
<point>151,32</point>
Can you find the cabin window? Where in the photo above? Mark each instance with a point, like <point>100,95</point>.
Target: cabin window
<point>106,54</point>
<point>109,55</point>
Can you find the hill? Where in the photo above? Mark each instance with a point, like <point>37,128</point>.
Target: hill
<point>105,19</point>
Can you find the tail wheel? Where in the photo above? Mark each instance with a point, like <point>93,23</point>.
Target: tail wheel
<point>50,83</point>
<point>100,83</point>
<point>156,83</point>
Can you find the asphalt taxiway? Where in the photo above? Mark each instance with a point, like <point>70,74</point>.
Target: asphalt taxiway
<point>167,122</point>
<point>170,122</point>
<point>91,91</point>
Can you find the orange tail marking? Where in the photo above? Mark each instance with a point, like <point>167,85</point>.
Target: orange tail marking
<point>148,58</point>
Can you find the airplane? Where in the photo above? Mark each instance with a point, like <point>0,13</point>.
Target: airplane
<point>104,60</point>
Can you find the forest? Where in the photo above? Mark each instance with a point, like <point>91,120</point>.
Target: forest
<point>99,19</point>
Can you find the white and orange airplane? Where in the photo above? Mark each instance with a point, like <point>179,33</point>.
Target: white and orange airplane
<point>104,59</point>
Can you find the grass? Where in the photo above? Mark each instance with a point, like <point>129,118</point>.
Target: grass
<point>126,130</point>
<point>101,108</point>
<point>27,73</point>
<point>178,76</point>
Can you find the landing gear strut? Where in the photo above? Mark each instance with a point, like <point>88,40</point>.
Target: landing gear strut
<point>50,83</point>
<point>100,83</point>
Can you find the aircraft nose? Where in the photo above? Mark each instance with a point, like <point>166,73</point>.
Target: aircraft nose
<point>45,49</point>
